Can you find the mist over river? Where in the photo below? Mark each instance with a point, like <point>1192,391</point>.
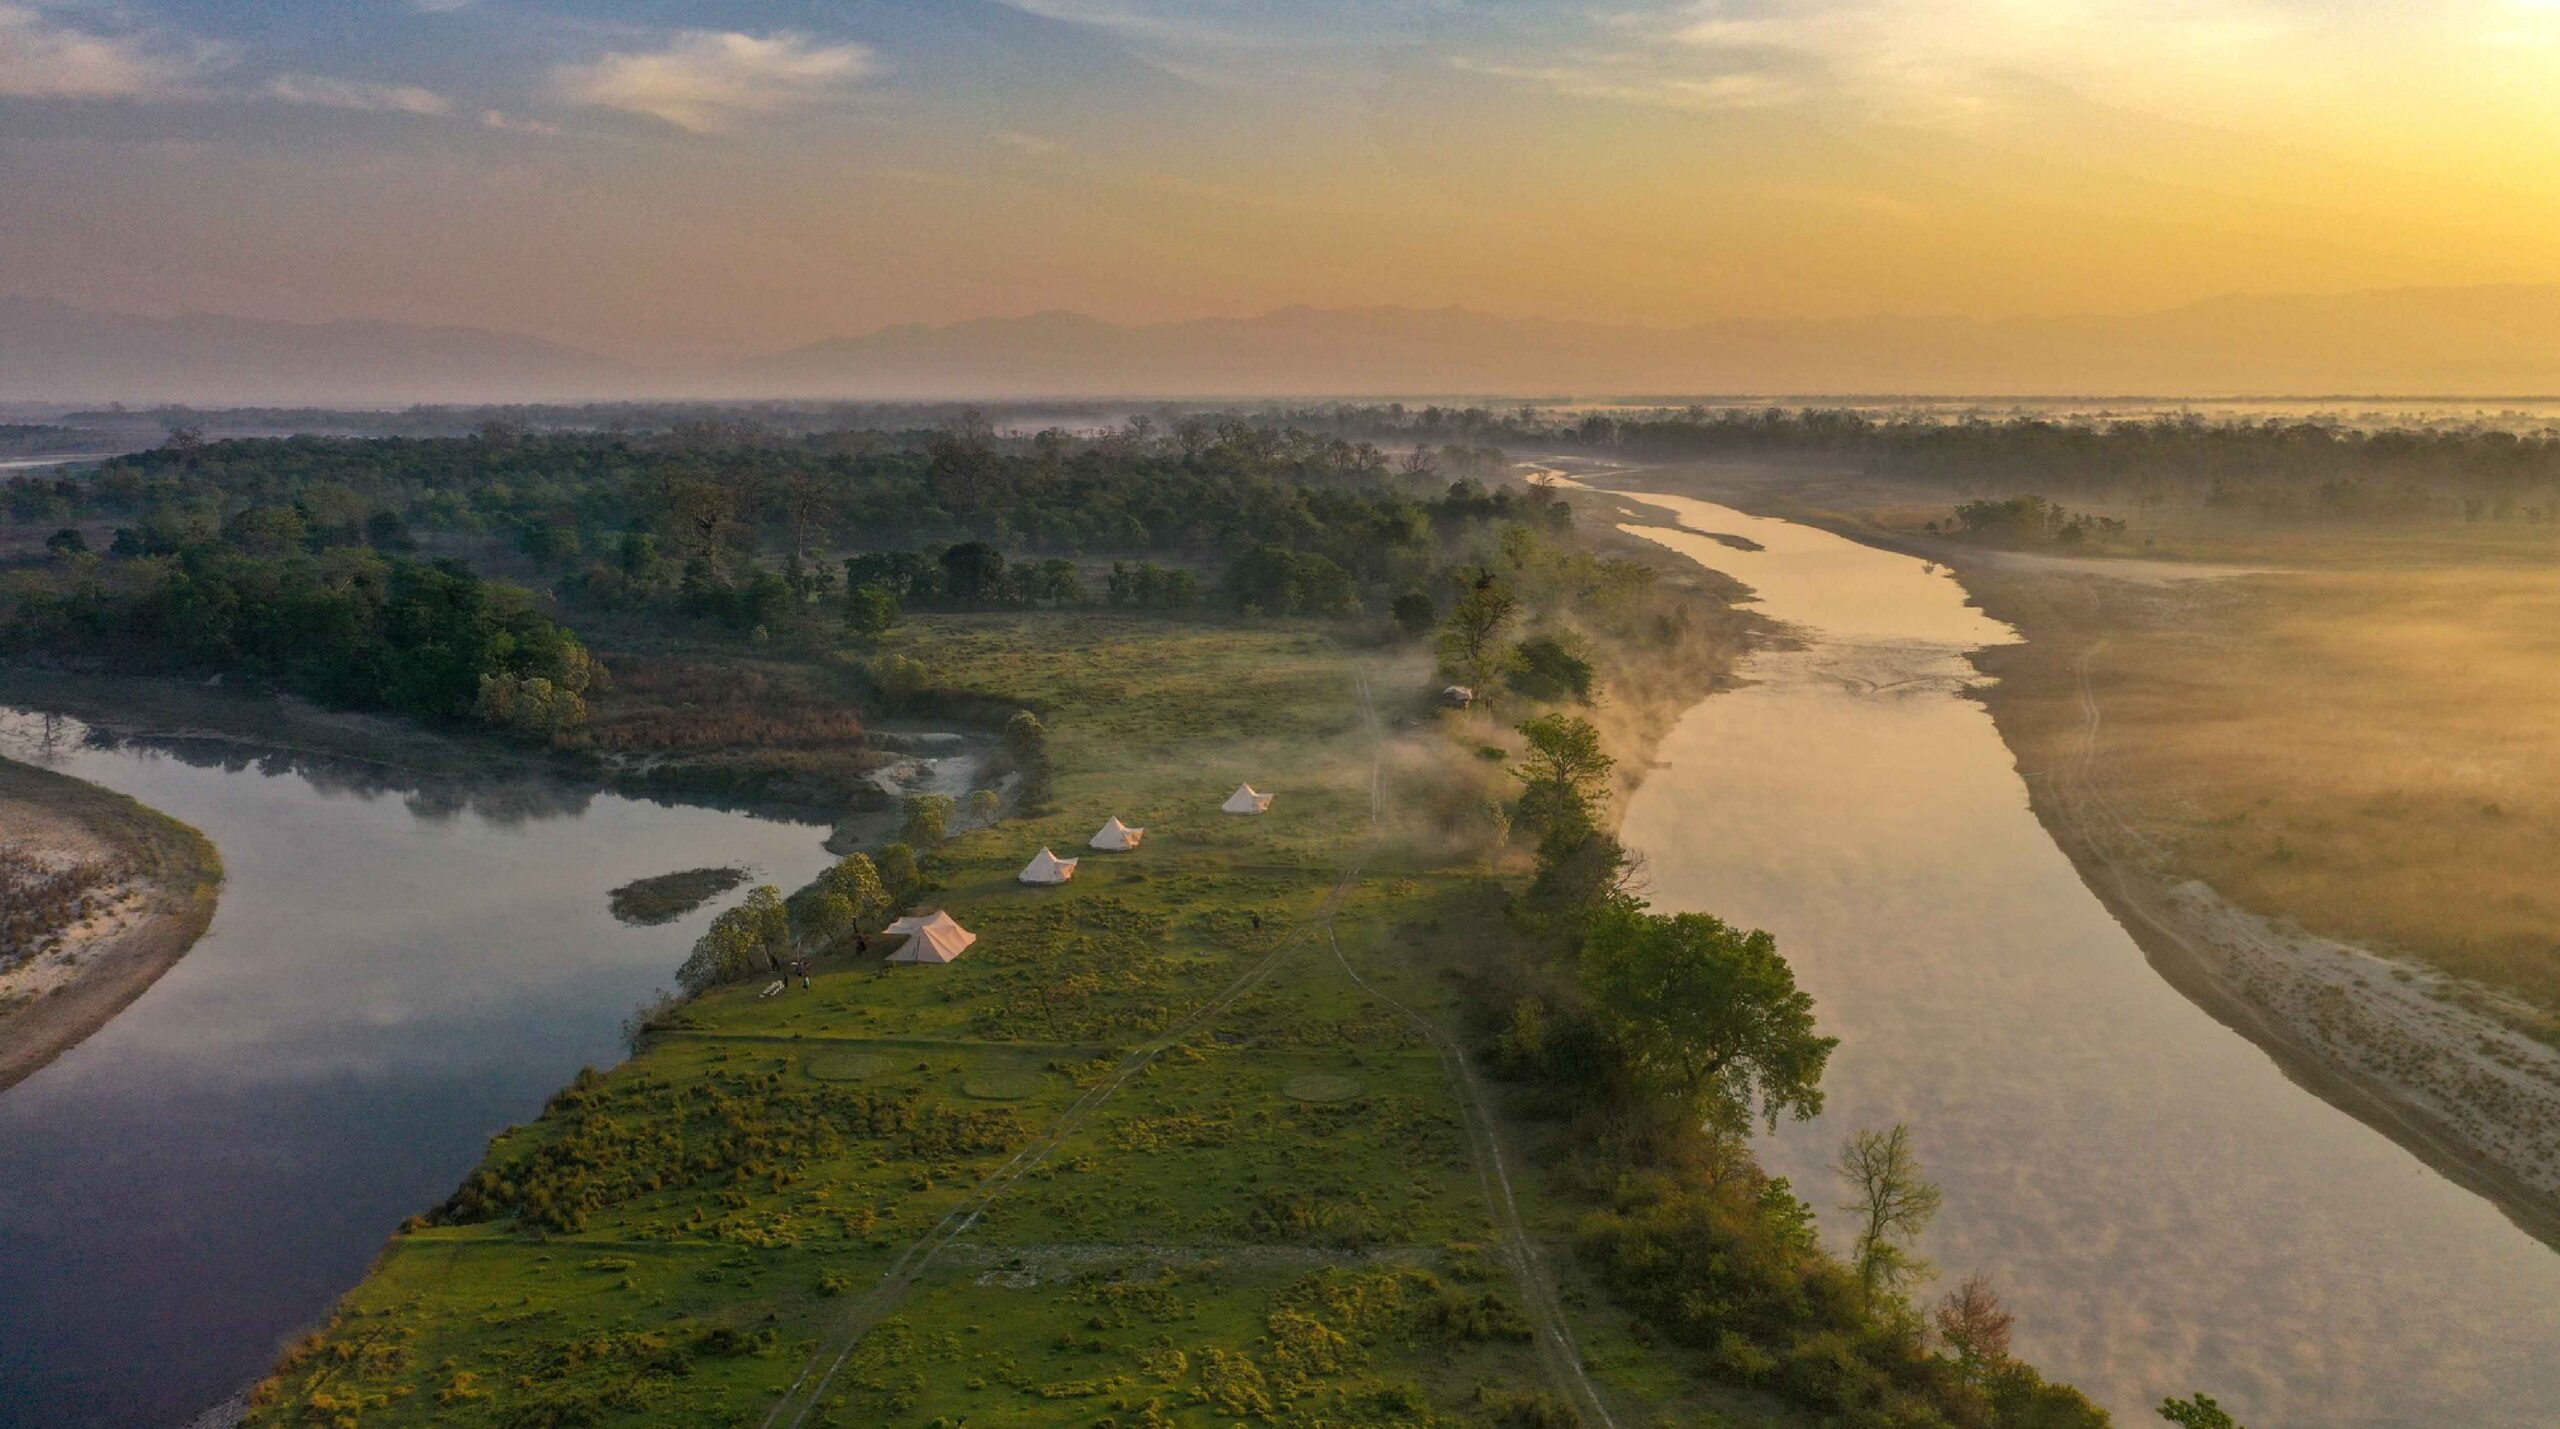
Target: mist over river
<point>394,973</point>
<point>2162,1208</point>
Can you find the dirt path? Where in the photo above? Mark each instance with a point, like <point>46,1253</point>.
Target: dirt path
<point>1554,1334</point>
<point>166,904</point>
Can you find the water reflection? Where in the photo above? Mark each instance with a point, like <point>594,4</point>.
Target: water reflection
<point>503,799</point>
<point>2163,1208</point>
<point>398,968</point>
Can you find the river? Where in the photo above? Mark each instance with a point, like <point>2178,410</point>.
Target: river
<point>394,973</point>
<point>2162,1208</point>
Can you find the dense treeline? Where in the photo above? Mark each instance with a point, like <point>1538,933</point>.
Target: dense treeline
<point>347,627</point>
<point>735,525</point>
<point>2284,467</point>
<point>47,439</point>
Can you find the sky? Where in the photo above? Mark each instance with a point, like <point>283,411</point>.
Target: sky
<point>667,180</point>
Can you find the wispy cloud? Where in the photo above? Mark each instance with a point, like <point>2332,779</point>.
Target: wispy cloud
<point>1179,23</point>
<point>357,94</point>
<point>1927,60</point>
<point>45,58</point>
<point>1644,79</point>
<point>708,81</point>
<point>1032,144</point>
<point>515,124</point>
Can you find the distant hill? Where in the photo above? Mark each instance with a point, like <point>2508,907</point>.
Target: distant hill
<point>56,352</point>
<point>2444,341</point>
<point>2425,340</point>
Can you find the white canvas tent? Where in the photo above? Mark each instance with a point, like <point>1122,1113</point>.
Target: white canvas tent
<point>934,937</point>
<point>1117,837</point>
<point>1047,867</point>
<point>1245,801</point>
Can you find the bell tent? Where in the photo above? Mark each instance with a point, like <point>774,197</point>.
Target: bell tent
<point>1245,801</point>
<point>1047,867</point>
<point>1117,837</point>
<point>934,937</point>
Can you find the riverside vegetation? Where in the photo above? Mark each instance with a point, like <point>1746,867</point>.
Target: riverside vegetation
<point>1188,1139</point>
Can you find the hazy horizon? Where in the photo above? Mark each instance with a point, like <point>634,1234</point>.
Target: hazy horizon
<point>692,184</point>
<point>2462,344</point>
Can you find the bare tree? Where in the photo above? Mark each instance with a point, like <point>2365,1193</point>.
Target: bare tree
<point>1894,1204</point>
<point>1975,1325</point>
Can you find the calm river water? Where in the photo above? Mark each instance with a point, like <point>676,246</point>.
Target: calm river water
<point>2160,1206</point>
<point>393,975</point>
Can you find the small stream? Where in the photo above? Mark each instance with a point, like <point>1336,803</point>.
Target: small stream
<point>2160,1206</point>
<point>395,972</point>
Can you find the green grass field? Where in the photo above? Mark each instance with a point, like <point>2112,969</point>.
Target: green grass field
<point>1147,1155</point>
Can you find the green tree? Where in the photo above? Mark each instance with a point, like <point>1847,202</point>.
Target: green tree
<point>870,610</point>
<point>1471,638</point>
<point>768,922</point>
<point>1552,668</point>
<point>739,942</point>
<point>1414,612</point>
<point>928,820</point>
<point>973,572</point>
<point>1565,771</point>
<point>828,915</point>
<point>857,880</point>
<point>899,873</point>
<point>1893,1202</point>
<point>1026,738</point>
<point>984,805</point>
<point>2197,1413</point>
<point>1706,1014</point>
<point>1054,581</point>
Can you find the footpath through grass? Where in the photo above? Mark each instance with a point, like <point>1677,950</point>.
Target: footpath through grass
<point>1096,1172</point>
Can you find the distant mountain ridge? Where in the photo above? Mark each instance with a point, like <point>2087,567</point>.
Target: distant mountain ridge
<point>52,351</point>
<point>2436,341</point>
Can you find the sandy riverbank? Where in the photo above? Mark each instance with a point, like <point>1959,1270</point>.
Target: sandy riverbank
<point>2425,1058</point>
<point>160,903</point>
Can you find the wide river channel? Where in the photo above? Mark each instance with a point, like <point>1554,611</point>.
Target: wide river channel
<point>393,975</point>
<point>2162,1209</point>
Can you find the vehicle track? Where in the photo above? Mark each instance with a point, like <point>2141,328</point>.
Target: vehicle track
<point>1553,1336</point>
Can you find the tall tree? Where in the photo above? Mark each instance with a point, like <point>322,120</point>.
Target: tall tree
<point>1706,1014</point>
<point>1894,1203</point>
<point>857,880</point>
<point>928,820</point>
<point>973,572</point>
<point>1565,770</point>
<point>1471,637</point>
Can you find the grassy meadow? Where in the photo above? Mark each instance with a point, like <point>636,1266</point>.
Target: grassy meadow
<point>1233,1184</point>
